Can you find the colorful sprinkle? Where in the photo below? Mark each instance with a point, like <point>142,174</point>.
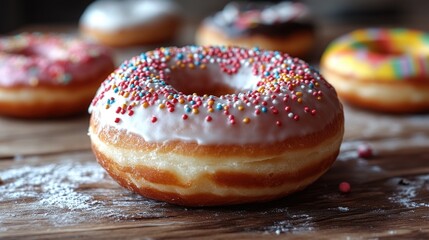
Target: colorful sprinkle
<point>344,187</point>
<point>364,151</point>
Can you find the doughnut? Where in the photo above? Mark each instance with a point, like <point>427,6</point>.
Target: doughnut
<point>206,126</point>
<point>284,26</point>
<point>380,69</point>
<point>130,22</point>
<point>49,75</point>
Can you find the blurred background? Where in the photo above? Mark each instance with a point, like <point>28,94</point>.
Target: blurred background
<point>332,17</point>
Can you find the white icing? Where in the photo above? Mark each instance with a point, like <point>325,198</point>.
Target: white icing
<point>111,15</point>
<point>283,12</point>
<point>262,128</point>
<point>270,14</point>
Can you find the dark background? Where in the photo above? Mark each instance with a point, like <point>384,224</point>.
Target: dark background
<point>15,14</point>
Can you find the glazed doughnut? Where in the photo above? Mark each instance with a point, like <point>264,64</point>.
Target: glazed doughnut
<point>284,26</point>
<point>47,75</point>
<point>201,126</point>
<point>382,69</point>
<point>130,22</point>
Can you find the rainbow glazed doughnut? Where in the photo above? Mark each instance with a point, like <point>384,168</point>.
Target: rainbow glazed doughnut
<point>130,22</point>
<point>202,126</point>
<point>380,69</point>
<point>46,75</point>
<point>284,26</point>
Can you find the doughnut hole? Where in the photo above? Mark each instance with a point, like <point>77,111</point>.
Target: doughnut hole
<point>40,51</point>
<point>385,48</point>
<point>211,81</point>
<point>382,48</point>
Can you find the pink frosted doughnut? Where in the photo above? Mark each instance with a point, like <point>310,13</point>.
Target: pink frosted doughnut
<point>46,75</point>
<point>215,125</point>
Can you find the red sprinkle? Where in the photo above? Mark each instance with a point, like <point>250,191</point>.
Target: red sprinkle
<point>344,187</point>
<point>117,120</point>
<point>154,119</point>
<point>364,151</point>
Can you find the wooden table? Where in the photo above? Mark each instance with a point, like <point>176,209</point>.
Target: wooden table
<point>52,188</point>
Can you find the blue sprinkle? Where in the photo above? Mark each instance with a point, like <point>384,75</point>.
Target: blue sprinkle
<point>264,109</point>
<point>219,106</point>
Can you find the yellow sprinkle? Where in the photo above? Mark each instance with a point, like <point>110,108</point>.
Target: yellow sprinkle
<point>246,120</point>
<point>316,84</point>
<point>151,90</point>
<point>210,109</point>
<point>161,106</point>
<point>203,66</point>
<point>241,108</point>
<point>181,101</point>
<point>298,94</point>
<point>195,111</point>
<point>191,66</point>
<point>210,103</point>
<point>124,106</point>
<point>126,94</point>
<point>250,60</point>
<point>226,107</point>
<point>173,67</point>
<point>170,97</point>
<point>145,104</point>
<point>107,106</point>
<point>319,98</point>
<point>182,65</point>
<point>299,100</point>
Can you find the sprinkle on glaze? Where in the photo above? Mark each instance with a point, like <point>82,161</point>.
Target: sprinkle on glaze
<point>30,59</point>
<point>383,54</point>
<point>275,19</point>
<point>273,96</point>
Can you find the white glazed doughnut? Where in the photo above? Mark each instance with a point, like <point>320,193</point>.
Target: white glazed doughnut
<point>130,22</point>
<point>215,125</point>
